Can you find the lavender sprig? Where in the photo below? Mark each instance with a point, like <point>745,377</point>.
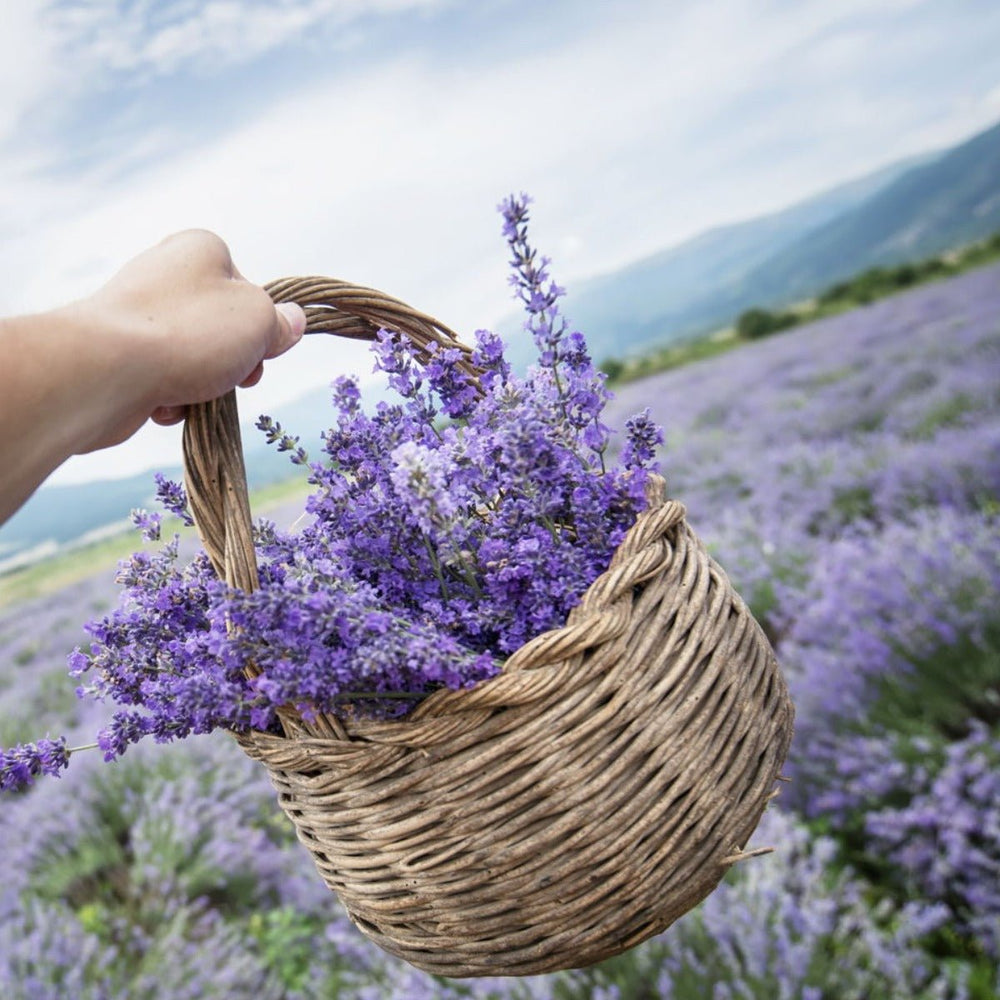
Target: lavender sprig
<point>173,498</point>
<point>275,434</point>
<point>20,765</point>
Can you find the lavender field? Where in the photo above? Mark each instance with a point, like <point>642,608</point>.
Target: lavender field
<point>847,475</point>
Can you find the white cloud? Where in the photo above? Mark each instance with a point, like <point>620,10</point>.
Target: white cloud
<point>156,38</point>
<point>644,124</point>
<point>392,176</point>
<point>27,67</point>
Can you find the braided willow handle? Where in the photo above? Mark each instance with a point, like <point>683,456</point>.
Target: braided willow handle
<point>214,471</point>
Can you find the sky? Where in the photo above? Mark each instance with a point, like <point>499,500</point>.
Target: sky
<point>371,140</point>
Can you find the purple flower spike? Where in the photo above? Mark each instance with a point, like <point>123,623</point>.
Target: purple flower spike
<point>20,765</point>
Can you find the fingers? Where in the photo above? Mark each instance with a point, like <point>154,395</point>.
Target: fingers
<point>254,377</point>
<point>204,255</point>
<point>216,327</point>
<point>168,415</point>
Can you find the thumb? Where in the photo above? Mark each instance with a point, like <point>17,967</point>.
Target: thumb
<point>291,323</point>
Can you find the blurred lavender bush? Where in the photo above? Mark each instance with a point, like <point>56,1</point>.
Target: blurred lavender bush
<point>847,474</point>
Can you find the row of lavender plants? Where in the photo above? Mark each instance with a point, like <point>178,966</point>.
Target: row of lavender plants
<point>847,474</point>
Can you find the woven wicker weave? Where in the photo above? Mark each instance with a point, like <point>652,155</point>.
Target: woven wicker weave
<point>563,811</point>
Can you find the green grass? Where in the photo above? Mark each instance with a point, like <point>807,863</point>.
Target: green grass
<point>942,693</point>
<point>948,413</point>
<point>674,356</point>
<point>268,497</point>
<point>52,699</point>
<point>66,568</point>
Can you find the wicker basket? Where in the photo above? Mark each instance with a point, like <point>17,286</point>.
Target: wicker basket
<point>565,810</point>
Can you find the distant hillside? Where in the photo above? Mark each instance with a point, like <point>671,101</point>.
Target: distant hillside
<point>59,514</point>
<point>627,310</point>
<point>931,208</point>
<point>56,515</point>
<point>912,209</point>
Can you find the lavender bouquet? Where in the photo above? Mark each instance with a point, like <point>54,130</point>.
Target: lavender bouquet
<point>446,529</point>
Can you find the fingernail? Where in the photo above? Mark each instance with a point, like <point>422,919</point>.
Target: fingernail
<point>296,318</point>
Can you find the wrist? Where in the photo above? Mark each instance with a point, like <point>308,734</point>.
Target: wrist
<point>100,380</point>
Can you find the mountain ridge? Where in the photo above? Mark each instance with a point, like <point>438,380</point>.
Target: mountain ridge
<point>912,209</point>
<point>929,209</point>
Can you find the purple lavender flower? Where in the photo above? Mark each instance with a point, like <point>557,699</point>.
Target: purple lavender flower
<point>276,435</point>
<point>644,437</point>
<point>421,477</point>
<point>946,841</point>
<point>148,523</point>
<point>173,498</point>
<point>20,765</point>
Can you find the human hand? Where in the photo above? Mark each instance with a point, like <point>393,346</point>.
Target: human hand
<point>183,326</point>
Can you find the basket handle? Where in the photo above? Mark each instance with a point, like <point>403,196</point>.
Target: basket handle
<point>214,470</point>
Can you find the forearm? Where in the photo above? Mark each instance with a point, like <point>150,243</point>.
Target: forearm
<point>62,381</point>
